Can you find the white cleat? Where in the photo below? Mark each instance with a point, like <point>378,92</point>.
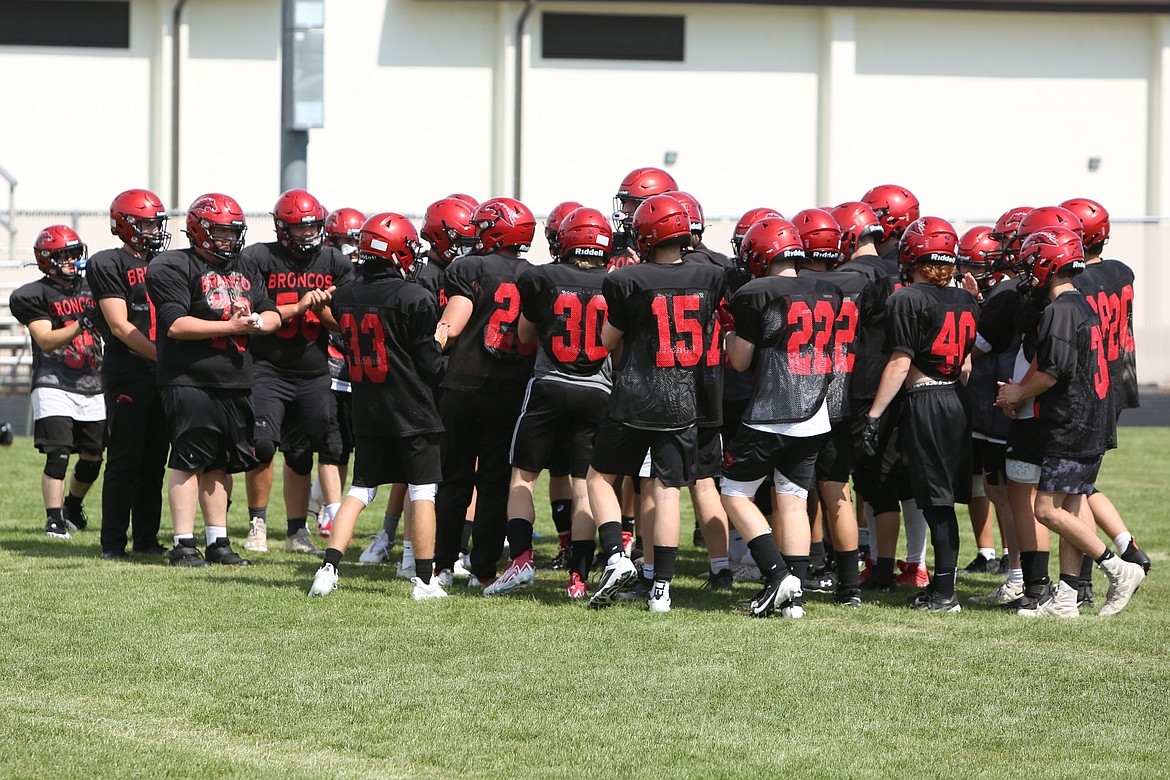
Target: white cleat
<point>427,590</point>
<point>324,581</point>
<point>521,573</point>
<point>620,572</point>
<point>659,600</point>
<point>378,551</point>
<point>404,571</point>
<point>1006,592</point>
<point>1124,580</point>
<point>257,540</point>
<point>462,568</point>
<point>445,578</point>
<point>1062,603</point>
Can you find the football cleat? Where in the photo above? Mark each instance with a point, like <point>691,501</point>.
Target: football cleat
<point>848,597</point>
<point>659,599</point>
<point>257,539</point>
<point>576,588</point>
<point>462,567</point>
<point>299,542</point>
<point>639,591</point>
<point>720,580</point>
<point>559,562</point>
<point>1085,595</point>
<point>982,565</point>
<point>324,581</point>
<point>1124,580</point>
<point>746,571</point>
<point>379,549</point>
<point>220,551</point>
<point>324,525</point>
<point>776,592</point>
<point>79,520</point>
<point>820,579</point>
<point>1135,554</point>
<point>1061,602</point>
<point>914,575</point>
<point>187,555</point>
<point>446,578</point>
<point>56,529</point>
<point>618,575</point>
<point>628,544</point>
<point>520,574</point>
<point>1006,592</point>
<point>929,601</point>
<point>423,591</point>
<point>793,607</point>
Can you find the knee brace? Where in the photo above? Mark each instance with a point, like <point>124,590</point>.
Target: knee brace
<point>423,492</point>
<point>87,471</point>
<point>299,462</point>
<point>56,464</point>
<point>265,450</point>
<point>363,494</point>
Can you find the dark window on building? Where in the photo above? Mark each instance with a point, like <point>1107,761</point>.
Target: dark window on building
<point>65,23</point>
<point>612,37</point>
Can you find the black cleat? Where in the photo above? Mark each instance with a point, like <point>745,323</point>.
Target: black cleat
<point>56,529</point>
<point>777,592</point>
<point>154,549</point>
<point>880,585</point>
<point>1027,601</point>
<point>559,563</point>
<point>720,580</point>
<point>75,521</point>
<point>639,591</point>
<point>820,579</point>
<point>182,555</point>
<point>1004,565</point>
<point>1135,554</point>
<point>982,565</point>
<point>1085,595</point>
<point>848,597</point>
<point>929,601</point>
<point>114,555</point>
<point>221,552</point>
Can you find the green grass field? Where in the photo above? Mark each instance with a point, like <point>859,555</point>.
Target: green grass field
<point>137,670</point>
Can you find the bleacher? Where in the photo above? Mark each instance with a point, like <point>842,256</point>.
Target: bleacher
<point>15,349</point>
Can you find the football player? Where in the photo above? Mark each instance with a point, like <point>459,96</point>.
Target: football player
<point>136,426</point>
<point>638,185</point>
<point>291,395</point>
<point>896,209</point>
<point>207,305</point>
<point>68,409</point>
<point>930,330</point>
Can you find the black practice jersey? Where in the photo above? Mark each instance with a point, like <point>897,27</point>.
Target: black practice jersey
<point>115,273</point>
<point>666,313</point>
<point>710,385</point>
<point>75,367</point>
<point>874,267</point>
<point>298,347</point>
<point>183,284</point>
<point>791,321</point>
<point>1108,287</point>
<point>858,303</point>
<point>706,254</point>
<point>934,325</point>
<point>430,278</point>
<point>997,365</point>
<point>388,326</point>
<point>488,353</point>
<point>565,303</point>
<point>871,357</point>
<point>1074,414</point>
<point>737,385</point>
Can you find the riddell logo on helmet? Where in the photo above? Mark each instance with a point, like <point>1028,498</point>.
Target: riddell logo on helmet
<point>586,251</point>
<point>936,257</point>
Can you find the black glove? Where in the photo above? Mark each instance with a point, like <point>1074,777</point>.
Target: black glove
<point>869,435</point>
<point>88,318</point>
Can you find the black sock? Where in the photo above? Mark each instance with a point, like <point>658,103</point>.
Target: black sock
<point>610,536</point>
<point>424,568</point>
<point>73,502</point>
<point>1086,570</point>
<point>628,524</point>
<point>943,582</point>
<point>767,556</point>
<point>57,515</point>
<point>845,563</point>
<point>1074,581</point>
<point>944,537</point>
<point>816,554</point>
<point>562,515</point>
<point>664,558</point>
<point>1105,555</point>
<point>1035,566</point>
<point>295,524</point>
<point>581,556</point>
<point>465,538</point>
<point>798,565</point>
<point>519,537</point>
<point>390,526</point>
<point>261,512</point>
<point>333,556</point>
<point>883,570</point>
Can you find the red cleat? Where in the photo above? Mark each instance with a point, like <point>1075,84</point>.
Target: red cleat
<point>576,588</point>
<point>913,575</point>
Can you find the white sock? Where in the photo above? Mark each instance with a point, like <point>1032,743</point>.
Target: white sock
<point>330,511</point>
<point>987,552</point>
<point>737,548</point>
<point>1005,551</point>
<point>407,553</point>
<point>719,564</point>
<point>916,532</point>
<point>1122,541</point>
<point>1015,576</point>
<point>647,571</point>
<point>185,536</point>
<point>863,537</point>
<point>214,532</point>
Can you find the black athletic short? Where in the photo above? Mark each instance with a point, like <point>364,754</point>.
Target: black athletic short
<point>876,477</point>
<point>294,413</point>
<point>211,429</point>
<point>837,457</point>
<point>710,453</point>
<point>339,441</point>
<point>557,422</point>
<point>86,437</point>
<point>1024,442</point>
<point>1059,474</point>
<point>383,460</point>
<point>621,449</point>
<point>936,442</point>
<point>991,456</point>
<point>753,455</point>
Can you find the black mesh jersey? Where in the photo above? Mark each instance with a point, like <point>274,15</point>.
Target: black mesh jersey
<point>388,327</point>
<point>115,273</point>
<point>859,301</point>
<point>1075,414</point>
<point>710,385</point>
<point>430,278</point>
<point>791,321</point>
<point>182,284</point>
<point>298,347</point>
<point>1108,287</point>
<point>873,266</point>
<point>75,367</point>
<point>565,303</point>
<point>934,325</point>
<point>1000,305</point>
<point>871,357</point>
<point>488,352</point>
<point>666,313</point>
<point>737,385</point>
<point>706,254</point>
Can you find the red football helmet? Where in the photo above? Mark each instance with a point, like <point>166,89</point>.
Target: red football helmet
<point>553,224</point>
<point>974,253</point>
<point>895,207</point>
<point>219,212</point>
<point>585,233</point>
<point>447,228</point>
<point>769,238</point>
<point>56,248</point>
<point>1046,217</point>
<point>503,222</point>
<point>927,240</point>
<point>1094,220</point>
<point>470,201</point>
<point>1006,233</point>
<point>343,228</point>
<point>1049,250</point>
<point>694,210</point>
<point>298,207</point>
<point>821,236</point>
<point>660,218</point>
<point>134,209</point>
<point>389,238</point>
<point>639,184</point>
<point>750,218</point>
<point>857,221</point>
